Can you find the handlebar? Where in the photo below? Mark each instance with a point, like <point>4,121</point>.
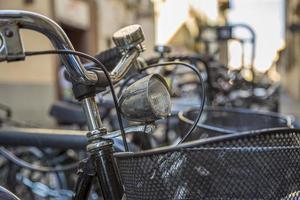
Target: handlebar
<point>129,41</point>
<point>11,46</point>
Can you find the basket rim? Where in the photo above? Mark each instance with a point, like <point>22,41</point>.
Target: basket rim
<point>238,110</point>
<point>222,138</point>
<point>182,116</point>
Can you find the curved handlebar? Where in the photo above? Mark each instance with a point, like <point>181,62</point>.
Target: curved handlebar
<point>58,38</point>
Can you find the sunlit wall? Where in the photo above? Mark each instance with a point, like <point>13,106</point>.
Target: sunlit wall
<point>266,17</point>
<point>170,14</point>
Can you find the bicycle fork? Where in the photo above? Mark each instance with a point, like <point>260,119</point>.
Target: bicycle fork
<point>100,163</point>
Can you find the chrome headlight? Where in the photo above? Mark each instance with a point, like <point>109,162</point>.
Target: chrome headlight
<point>146,100</point>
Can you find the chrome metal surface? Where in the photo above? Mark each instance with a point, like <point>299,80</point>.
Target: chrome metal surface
<point>124,65</point>
<point>46,26</point>
<point>148,129</point>
<point>91,112</point>
<point>129,40</point>
<point>146,100</point>
<point>11,48</point>
<point>7,195</point>
<point>129,37</point>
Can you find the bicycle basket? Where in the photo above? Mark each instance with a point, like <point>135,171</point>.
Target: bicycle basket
<point>252,165</point>
<point>217,121</point>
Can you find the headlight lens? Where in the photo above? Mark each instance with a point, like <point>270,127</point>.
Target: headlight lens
<point>159,98</point>
<point>146,100</point>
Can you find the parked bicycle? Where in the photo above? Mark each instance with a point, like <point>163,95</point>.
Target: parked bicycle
<point>262,164</point>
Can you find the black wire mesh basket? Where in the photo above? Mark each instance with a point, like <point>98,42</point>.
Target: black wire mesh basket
<point>217,121</point>
<point>251,165</point>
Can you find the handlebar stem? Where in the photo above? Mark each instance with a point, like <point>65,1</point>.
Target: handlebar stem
<point>92,114</point>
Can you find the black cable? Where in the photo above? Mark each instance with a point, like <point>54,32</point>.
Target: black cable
<point>201,107</point>
<point>23,164</point>
<point>91,58</point>
<point>125,82</point>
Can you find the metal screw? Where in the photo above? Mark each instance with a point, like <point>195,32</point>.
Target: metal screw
<point>8,33</point>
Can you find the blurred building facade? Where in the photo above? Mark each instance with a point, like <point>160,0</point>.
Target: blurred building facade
<point>290,60</point>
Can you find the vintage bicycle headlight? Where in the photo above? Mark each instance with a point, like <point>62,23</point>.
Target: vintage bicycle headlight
<point>146,100</point>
